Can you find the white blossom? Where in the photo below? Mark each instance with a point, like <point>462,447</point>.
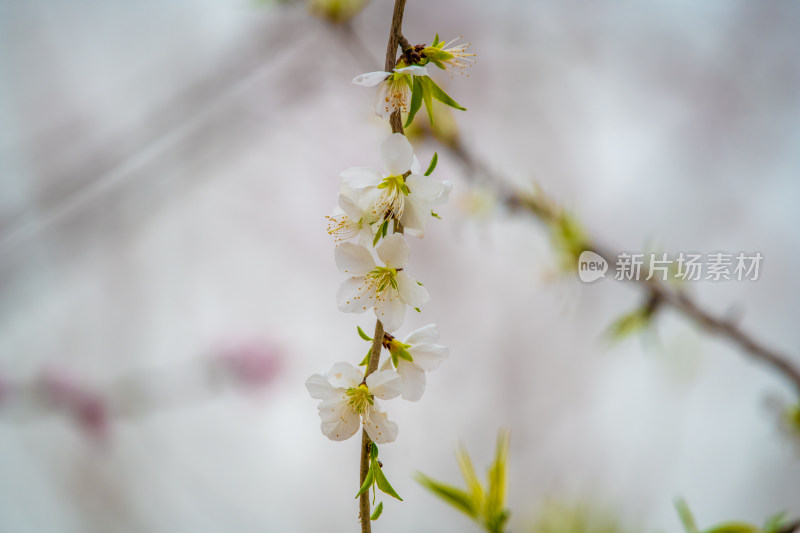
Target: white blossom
<point>425,354</point>
<point>351,220</point>
<point>388,196</point>
<point>347,400</point>
<point>386,288</point>
<point>395,88</point>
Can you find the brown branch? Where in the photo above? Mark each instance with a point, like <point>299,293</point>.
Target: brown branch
<point>657,293</point>
<point>395,40</point>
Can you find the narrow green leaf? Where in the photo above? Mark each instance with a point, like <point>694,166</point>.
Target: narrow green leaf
<point>628,324</point>
<point>686,516</point>
<point>373,451</point>
<point>442,96</point>
<point>435,40</point>
<point>733,527</point>
<point>416,100</point>
<point>383,483</point>
<point>495,500</point>
<point>432,165</point>
<point>365,361</point>
<point>377,512</point>
<point>452,495</point>
<point>468,473</point>
<point>376,238</point>
<point>426,96</point>
<point>775,522</point>
<point>367,482</point>
<point>363,335</point>
<point>385,228</point>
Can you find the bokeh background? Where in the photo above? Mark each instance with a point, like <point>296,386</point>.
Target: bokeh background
<point>167,284</point>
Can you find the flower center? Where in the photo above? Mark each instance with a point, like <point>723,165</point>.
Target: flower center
<point>391,202</point>
<point>383,277</point>
<point>360,397</point>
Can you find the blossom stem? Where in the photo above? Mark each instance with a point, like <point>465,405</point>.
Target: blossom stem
<point>395,39</point>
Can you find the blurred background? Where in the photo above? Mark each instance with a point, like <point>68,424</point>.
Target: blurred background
<point>167,284</point>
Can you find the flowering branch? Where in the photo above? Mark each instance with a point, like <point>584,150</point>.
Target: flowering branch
<point>395,39</point>
<point>657,294</point>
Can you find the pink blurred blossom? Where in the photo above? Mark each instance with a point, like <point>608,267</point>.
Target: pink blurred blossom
<point>86,407</point>
<point>252,364</point>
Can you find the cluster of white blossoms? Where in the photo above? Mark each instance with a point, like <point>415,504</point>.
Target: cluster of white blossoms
<point>373,253</point>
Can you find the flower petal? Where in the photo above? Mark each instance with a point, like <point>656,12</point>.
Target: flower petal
<point>385,384</point>
<point>370,79</point>
<point>429,356</point>
<point>447,187</point>
<point>361,177</point>
<point>379,428</point>
<point>345,375</point>
<point>425,334</point>
<point>339,421</point>
<point>415,216</point>
<point>348,202</point>
<point>410,291</point>
<point>414,70</point>
<point>394,251</point>
<point>397,154</point>
<point>319,387</point>
<point>353,259</point>
<point>356,295</point>
<point>390,310</point>
<point>424,187</point>
<point>413,378</point>
<point>415,166</point>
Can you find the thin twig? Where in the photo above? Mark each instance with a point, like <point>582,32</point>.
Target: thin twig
<point>395,37</point>
<point>657,293</point>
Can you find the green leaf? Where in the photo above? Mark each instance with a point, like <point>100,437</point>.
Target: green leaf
<point>416,100</point>
<point>442,96</point>
<point>468,473</point>
<point>733,527</point>
<point>377,512</point>
<point>628,324</point>
<point>432,165</point>
<point>495,500</point>
<point>686,516</point>
<point>365,361</point>
<point>775,522</point>
<point>426,96</point>
<point>383,483</point>
<point>435,40</point>
<point>367,482</point>
<point>380,233</point>
<point>373,451</point>
<point>363,335</point>
<point>452,495</point>
<point>385,228</point>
